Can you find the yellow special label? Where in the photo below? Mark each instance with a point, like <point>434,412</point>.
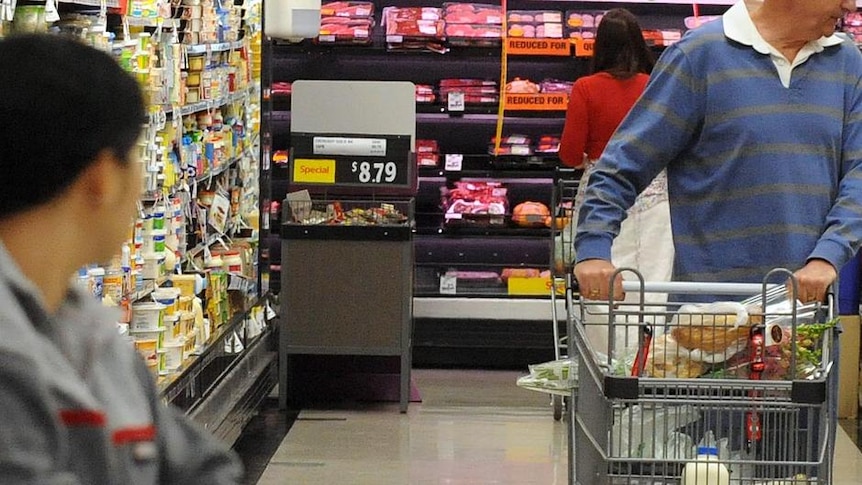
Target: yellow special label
<point>314,171</point>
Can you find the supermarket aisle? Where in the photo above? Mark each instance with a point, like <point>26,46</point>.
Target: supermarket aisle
<point>473,427</point>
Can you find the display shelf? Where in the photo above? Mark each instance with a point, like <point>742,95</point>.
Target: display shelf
<point>440,175</point>
<point>200,179</point>
<point>198,49</point>
<point>503,230</point>
<point>481,308</point>
<point>170,387</point>
<point>148,288</point>
<point>210,104</point>
<point>96,3</point>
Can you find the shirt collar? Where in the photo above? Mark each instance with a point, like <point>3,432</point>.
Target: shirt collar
<point>739,27</point>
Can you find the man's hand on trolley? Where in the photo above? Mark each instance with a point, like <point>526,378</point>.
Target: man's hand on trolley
<point>814,279</point>
<point>593,276</point>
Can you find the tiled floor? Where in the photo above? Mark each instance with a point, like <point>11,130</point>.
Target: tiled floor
<point>473,427</point>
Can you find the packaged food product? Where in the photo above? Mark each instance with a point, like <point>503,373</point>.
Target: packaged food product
<point>347,9</point>
<point>520,273</point>
<point>535,16</point>
<point>472,13</point>
<point>522,86</point>
<point>531,214</point>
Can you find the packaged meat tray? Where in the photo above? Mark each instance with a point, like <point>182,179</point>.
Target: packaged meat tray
<point>447,83</point>
<point>414,14</point>
<point>425,94</point>
<point>536,31</point>
<point>475,279</point>
<point>474,98</point>
<point>514,139</point>
<point>427,153</point>
<point>472,13</point>
<point>584,19</point>
<point>548,144</point>
<point>431,160</point>
<point>355,31</point>
<point>522,86</point>
<point>475,203</point>
<point>347,9</point>
<point>534,16</point>
<point>582,24</point>
<point>466,31</point>
<point>556,86</point>
<point>512,150</point>
<point>427,146</point>
<point>661,37</point>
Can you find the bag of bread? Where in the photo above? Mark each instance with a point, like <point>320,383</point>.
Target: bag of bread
<point>712,332</point>
<point>667,359</point>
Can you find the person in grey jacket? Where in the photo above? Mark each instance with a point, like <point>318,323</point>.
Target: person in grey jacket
<point>78,404</point>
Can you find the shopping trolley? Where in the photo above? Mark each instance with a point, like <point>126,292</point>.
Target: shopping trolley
<point>757,390</point>
<point>563,222</point>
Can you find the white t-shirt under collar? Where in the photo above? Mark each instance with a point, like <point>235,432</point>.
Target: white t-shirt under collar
<point>739,27</point>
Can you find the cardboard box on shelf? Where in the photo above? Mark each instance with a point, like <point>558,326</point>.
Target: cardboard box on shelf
<point>848,370</point>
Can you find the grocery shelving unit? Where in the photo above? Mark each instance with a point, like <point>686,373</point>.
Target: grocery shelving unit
<point>221,384</point>
<point>471,316</point>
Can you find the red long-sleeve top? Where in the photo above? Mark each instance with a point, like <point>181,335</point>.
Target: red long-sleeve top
<point>597,105</point>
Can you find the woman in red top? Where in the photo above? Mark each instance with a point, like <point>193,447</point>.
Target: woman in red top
<point>598,103</point>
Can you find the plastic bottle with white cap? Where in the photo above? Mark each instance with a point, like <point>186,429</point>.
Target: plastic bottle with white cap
<point>706,469</point>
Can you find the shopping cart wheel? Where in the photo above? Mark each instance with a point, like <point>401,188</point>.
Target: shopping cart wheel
<point>557,402</point>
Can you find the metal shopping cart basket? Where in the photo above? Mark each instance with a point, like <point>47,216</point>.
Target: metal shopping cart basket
<point>563,222</point>
<point>750,379</point>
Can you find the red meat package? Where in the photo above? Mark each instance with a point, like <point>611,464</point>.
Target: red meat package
<point>426,146</point>
<point>345,29</point>
<point>556,86</point>
<point>548,144</point>
<point>470,199</point>
<point>425,94</point>
<point>461,82</point>
<point>466,31</point>
<point>472,13</point>
<point>347,9</point>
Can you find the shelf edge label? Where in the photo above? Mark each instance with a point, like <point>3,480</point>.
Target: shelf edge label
<point>314,171</point>
<point>539,47</point>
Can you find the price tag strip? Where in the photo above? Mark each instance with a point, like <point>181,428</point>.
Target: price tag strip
<point>352,160</point>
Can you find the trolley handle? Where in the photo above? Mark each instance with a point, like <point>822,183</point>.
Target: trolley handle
<point>697,288</point>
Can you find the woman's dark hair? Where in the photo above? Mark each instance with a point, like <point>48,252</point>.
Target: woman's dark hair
<point>62,104</point>
<point>620,48</point>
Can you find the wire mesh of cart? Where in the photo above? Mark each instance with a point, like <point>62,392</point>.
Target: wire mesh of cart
<point>746,381</point>
<point>563,222</point>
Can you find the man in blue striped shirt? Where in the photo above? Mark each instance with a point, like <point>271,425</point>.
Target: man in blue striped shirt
<point>758,119</point>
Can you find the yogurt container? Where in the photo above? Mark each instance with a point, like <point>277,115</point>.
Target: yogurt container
<point>172,356</point>
<point>146,317</point>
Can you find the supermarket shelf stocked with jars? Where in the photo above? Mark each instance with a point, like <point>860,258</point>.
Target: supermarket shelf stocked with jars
<point>187,280</point>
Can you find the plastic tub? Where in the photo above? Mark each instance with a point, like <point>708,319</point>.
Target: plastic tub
<point>146,317</point>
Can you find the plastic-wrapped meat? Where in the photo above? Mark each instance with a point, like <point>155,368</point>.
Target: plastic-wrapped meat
<point>474,31</point>
<point>548,144</point>
<point>445,83</point>
<point>362,22</point>
<point>396,14</point>
<point>477,276</point>
<point>415,28</point>
<point>472,13</point>
<point>514,139</point>
<point>335,31</point>
<point>347,9</point>
<point>473,98</point>
<point>535,16</point>
<point>556,86</point>
<point>282,88</point>
<point>427,159</point>
<point>426,146</point>
<point>522,86</point>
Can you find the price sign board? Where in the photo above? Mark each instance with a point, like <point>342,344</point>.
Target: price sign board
<point>352,160</point>
<point>538,47</point>
<point>537,102</point>
<point>584,47</point>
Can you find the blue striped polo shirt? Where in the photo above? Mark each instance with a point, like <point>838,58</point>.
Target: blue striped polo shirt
<point>759,175</point>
